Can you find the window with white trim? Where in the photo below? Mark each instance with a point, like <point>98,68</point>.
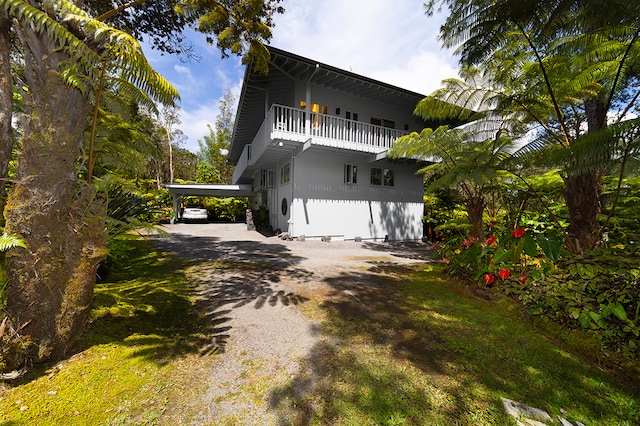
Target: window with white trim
<point>285,174</point>
<point>350,173</point>
<point>266,178</point>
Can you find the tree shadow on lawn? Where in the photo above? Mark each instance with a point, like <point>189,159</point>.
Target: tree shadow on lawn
<point>423,351</point>
<point>165,306</point>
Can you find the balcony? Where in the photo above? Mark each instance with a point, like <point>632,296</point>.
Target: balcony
<point>290,125</point>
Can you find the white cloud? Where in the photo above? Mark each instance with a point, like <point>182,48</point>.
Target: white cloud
<point>394,42</point>
<point>194,123</point>
<point>194,120</point>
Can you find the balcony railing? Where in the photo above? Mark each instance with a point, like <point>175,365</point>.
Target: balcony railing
<point>290,124</point>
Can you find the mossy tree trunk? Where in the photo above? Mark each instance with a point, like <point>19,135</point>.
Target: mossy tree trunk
<point>582,195</point>
<point>50,285</point>
<point>6,99</point>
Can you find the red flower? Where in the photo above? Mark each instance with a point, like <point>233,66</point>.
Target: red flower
<point>522,279</point>
<point>467,243</point>
<point>488,278</point>
<point>491,240</point>
<point>447,261</point>
<point>517,233</point>
<point>504,273</point>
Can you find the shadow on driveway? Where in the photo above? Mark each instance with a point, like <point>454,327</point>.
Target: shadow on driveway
<point>210,248</point>
<point>229,275</point>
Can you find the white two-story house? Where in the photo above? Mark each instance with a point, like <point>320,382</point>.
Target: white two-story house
<point>312,140</point>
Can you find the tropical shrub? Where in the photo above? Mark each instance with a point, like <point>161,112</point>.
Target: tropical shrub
<point>226,209</point>
<point>127,210</point>
<point>598,291</point>
<point>507,254</point>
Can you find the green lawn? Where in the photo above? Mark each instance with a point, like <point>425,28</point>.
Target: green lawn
<point>419,349</point>
<point>414,349</point>
<point>138,361</point>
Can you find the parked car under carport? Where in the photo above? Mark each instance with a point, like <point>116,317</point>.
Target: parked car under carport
<point>195,214</point>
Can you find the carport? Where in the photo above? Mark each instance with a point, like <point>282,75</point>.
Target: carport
<point>178,190</point>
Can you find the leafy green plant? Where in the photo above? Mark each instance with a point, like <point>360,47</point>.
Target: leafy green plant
<point>507,254</point>
<point>598,291</point>
<point>226,209</point>
<point>127,210</point>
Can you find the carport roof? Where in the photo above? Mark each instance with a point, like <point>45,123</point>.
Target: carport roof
<point>208,190</point>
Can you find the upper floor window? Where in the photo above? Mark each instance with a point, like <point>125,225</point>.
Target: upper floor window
<point>351,115</point>
<point>350,173</point>
<point>383,177</point>
<point>317,108</point>
<point>285,174</point>
<point>377,121</point>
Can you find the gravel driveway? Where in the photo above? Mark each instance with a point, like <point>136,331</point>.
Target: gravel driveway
<point>254,289</point>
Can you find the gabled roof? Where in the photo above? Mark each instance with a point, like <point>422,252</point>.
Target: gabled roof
<point>285,67</point>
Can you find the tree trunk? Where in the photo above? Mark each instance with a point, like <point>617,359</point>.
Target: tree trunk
<point>583,192</point>
<point>50,285</point>
<point>582,195</point>
<point>475,209</point>
<point>6,100</point>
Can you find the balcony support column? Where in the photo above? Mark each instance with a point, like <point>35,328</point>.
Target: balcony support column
<point>307,118</point>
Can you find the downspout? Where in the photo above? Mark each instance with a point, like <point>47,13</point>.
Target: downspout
<point>293,180</point>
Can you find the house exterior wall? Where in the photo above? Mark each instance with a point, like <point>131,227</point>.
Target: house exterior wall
<point>321,204</point>
<point>363,107</point>
<point>273,130</point>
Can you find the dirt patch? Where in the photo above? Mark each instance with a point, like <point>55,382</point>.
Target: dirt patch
<point>261,297</point>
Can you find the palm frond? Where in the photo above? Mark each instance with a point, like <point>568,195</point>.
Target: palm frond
<point>601,150</point>
<point>126,210</point>
<point>123,54</point>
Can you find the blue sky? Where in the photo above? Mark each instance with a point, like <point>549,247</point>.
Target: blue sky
<point>390,41</point>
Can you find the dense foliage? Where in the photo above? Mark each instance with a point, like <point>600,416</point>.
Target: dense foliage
<point>598,291</point>
<point>551,220</point>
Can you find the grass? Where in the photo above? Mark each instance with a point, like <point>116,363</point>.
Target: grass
<point>411,348</point>
<point>420,350</point>
<point>137,361</point>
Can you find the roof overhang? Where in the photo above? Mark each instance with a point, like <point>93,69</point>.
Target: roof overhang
<point>207,190</point>
<point>260,91</point>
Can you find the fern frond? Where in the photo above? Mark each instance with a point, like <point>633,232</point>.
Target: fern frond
<point>77,49</point>
<point>8,241</point>
<point>123,53</point>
